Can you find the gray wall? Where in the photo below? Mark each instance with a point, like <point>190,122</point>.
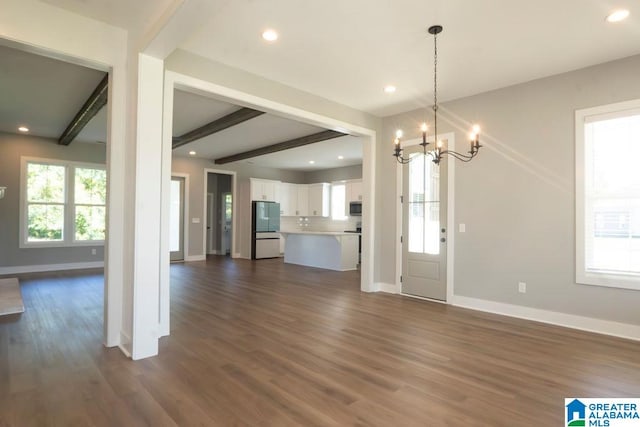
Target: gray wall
<point>336,174</point>
<point>12,147</point>
<point>517,197</point>
<point>195,169</point>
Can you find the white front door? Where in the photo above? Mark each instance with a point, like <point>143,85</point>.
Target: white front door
<point>424,208</point>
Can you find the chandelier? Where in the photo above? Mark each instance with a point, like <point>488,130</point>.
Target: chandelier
<point>437,153</point>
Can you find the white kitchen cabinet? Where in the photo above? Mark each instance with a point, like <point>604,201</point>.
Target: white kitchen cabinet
<point>319,199</point>
<point>302,200</point>
<point>284,198</point>
<point>293,199</point>
<point>264,190</point>
<point>353,192</point>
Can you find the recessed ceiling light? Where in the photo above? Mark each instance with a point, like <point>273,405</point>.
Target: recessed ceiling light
<point>340,157</point>
<point>23,129</point>
<point>192,153</point>
<point>389,89</point>
<point>270,35</point>
<point>618,15</point>
<point>311,162</point>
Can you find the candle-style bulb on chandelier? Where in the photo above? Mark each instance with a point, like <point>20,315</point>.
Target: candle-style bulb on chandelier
<point>437,152</point>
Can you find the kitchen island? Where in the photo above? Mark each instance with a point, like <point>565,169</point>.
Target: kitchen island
<point>332,250</point>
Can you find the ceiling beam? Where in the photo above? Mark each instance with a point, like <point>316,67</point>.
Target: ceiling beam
<point>92,105</point>
<point>235,118</point>
<point>281,146</point>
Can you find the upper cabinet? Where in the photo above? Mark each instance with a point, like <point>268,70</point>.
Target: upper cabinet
<point>353,192</point>
<point>264,190</point>
<point>284,197</point>
<point>302,199</point>
<point>294,199</point>
<point>319,199</point>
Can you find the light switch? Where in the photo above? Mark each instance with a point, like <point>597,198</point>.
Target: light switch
<point>462,228</point>
<point>195,220</point>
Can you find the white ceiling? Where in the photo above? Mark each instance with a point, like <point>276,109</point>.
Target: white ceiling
<point>134,15</point>
<point>192,111</point>
<point>347,51</point>
<point>324,154</point>
<point>45,94</point>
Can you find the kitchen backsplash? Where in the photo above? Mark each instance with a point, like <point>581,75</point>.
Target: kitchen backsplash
<point>314,223</point>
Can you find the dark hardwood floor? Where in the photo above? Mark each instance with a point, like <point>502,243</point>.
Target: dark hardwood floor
<point>267,344</point>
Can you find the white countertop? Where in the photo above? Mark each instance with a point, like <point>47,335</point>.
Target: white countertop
<point>320,233</point>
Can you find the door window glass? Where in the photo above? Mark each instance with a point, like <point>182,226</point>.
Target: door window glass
<point>424,206</point>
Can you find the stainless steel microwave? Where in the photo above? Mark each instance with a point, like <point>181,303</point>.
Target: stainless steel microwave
<point>355,209</point>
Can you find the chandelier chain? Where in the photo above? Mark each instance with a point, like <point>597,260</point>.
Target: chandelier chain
<point>435,85</point>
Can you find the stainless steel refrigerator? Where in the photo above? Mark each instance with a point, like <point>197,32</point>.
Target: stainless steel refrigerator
<point>265,227</point>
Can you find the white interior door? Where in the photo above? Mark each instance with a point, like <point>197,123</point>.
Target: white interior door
<point>424,208</point>
<point>176,219</point>
<point>226,222</point>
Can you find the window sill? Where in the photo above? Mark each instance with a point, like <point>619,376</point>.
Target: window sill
<point>53,245</point>
<point>610,280</point>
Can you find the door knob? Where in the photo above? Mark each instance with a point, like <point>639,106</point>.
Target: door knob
<point>443,230</point>
<point>442,239</point>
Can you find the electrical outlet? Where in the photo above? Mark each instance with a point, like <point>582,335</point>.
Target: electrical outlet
<point>522,287</point>
<point>93,251</point>
<point>462,228</point>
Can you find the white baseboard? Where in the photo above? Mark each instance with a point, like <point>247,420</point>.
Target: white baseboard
<point>589,324</point>
<point>20,269</point>
<point>607,327</point>
<point>195,258</point>
<point>389,288</point>
<point>125,344</point>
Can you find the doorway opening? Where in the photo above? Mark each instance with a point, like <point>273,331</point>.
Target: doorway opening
<point>219,213</point>
<point>58,196</point>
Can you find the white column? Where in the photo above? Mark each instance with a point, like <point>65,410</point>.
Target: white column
<point>115,244</point>
<point>148,205</point>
